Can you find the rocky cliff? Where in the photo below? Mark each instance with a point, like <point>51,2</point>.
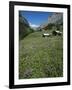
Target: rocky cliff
<point>55,18</point>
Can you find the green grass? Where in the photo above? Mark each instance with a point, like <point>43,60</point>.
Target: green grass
<point>40,57</point>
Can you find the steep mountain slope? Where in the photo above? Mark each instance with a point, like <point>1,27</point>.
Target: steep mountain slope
<point>24,28</point>
<point>56,18</point>
<point>54,21</point>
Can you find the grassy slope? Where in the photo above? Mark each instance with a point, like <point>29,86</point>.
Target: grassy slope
<point>40,57</point>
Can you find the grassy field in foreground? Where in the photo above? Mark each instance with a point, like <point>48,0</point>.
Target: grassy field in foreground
<point>40,57</point>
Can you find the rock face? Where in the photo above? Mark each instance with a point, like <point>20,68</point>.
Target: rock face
<point>55,18</point>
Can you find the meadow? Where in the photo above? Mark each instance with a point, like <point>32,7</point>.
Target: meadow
<point>40,57</point>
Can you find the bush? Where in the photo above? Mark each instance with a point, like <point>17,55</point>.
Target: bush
<point>54,33</point>
<point>49,26</point>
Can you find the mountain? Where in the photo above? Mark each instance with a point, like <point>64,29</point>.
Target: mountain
<point>23,20</point>
<point>55,20</point>
<point>24,27</point>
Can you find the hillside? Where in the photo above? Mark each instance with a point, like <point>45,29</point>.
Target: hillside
<point>24,28</point>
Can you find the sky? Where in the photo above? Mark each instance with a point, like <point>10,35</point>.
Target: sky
<point>35,18</point>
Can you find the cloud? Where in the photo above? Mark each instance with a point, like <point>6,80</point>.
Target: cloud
<point>33,25</point>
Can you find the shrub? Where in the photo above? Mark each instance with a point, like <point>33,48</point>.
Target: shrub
<point>49,26</point>
<point>54,33</point>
